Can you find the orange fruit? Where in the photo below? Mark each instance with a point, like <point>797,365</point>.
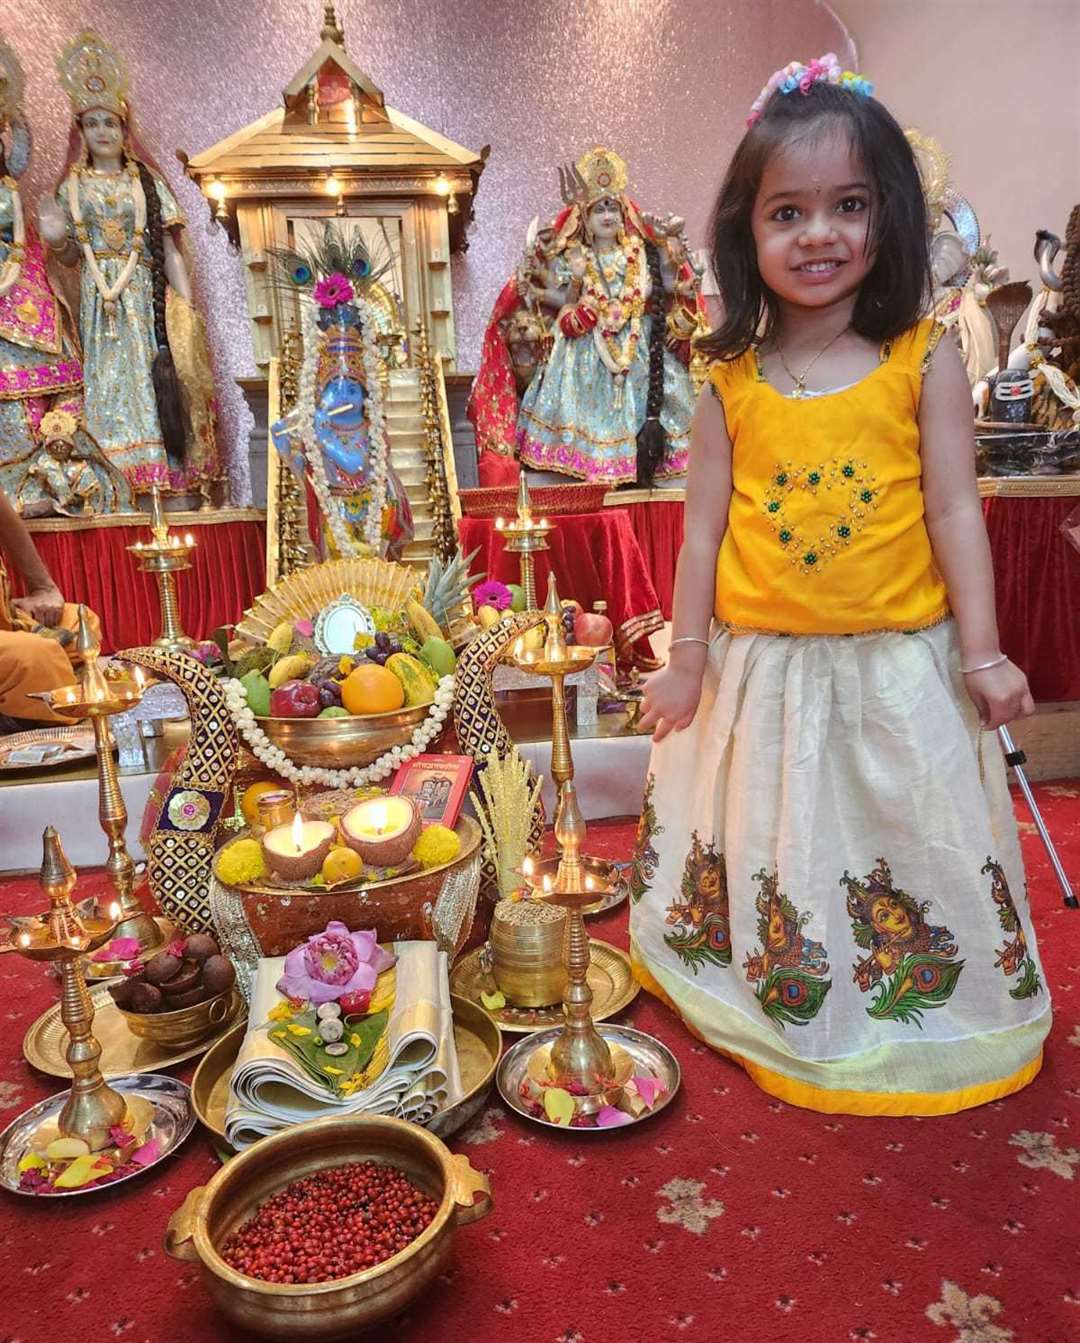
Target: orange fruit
<point>249,802</point>
<point>341,864</point>
<point>372,689</point>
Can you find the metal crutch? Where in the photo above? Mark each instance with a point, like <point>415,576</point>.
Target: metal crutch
<point>1016,760</point>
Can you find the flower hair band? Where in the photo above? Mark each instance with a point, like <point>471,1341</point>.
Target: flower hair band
<point>796,76</point>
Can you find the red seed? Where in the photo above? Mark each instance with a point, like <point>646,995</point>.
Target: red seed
<point>330,1225</point>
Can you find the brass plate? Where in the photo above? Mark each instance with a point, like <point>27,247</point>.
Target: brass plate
<point>467,830</point>
<point>610,978</point>
<point>478,1048</point>
<point>45,1043</point>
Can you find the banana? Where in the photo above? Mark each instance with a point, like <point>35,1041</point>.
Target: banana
<point>292,668</point>
<point>424,624</point>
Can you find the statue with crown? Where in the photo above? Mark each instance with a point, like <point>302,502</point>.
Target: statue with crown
<point>585,367</point>
<point>115,237</point>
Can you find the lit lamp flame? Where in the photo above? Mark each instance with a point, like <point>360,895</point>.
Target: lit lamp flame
<point>24,939</point>
<point>379,817</point>
<point>333,186</point>
<point>500,523</point>
<point>218,191</point>
<point>547,883</point>
<point>527,869</point>
<point>139,677</point>
<point>298,832</point>
<point>442,186</point>
<point>115,911</point>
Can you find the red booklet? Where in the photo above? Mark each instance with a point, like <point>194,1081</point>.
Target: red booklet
<point>437,784</point>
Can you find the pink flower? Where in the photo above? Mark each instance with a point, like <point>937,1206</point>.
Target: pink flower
<point>492,593</point>
<point>334,290</point>
<point>333,963</point>
<point>119,949</point>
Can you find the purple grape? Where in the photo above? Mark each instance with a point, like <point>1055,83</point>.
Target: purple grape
<point>382,640</point>
<point>329,694</point>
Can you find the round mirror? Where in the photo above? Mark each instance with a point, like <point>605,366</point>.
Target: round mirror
<point>339,624</point>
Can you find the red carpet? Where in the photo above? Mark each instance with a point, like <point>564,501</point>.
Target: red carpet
<point>731,1217</point>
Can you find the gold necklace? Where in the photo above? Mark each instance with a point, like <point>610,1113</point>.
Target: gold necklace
<point>800,379</point>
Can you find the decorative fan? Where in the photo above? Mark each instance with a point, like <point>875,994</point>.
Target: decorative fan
<point>301,596</point>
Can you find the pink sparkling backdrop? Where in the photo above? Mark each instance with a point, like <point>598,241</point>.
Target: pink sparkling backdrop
<point>666,83</point>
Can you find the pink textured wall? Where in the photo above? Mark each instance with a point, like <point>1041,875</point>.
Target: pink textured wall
<point>664,82</point>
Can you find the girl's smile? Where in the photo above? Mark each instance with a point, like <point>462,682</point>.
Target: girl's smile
<point>810,223</point>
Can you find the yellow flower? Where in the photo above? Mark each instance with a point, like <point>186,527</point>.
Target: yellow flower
<point>437,845</point>
<point>240,862</point>
<point>354,1040</point>
<point>293,1029</point>
<point>281,1011</point>
<point>334,1072</point>
<point>277,1035</point>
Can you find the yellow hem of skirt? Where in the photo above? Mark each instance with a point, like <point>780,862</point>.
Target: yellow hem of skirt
<point>883,1103</point>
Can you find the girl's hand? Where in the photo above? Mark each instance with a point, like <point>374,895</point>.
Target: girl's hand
<point>671,700</point>
<point>1000,694</point>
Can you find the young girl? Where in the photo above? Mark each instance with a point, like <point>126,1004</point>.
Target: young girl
<point>828,879</point>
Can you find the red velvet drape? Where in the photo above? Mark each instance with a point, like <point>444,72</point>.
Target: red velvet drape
<point>91,565</point>
<point>596,558</point>
<point>658,527</point>
<point>1037,573</point>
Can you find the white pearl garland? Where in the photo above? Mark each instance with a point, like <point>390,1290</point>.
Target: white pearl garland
<point>276,759</point>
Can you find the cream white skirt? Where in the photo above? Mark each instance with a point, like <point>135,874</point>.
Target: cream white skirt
<point>828,884</point>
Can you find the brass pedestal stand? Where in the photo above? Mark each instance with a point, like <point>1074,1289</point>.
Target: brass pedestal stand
<point>96,698</point>
<point>165,556</point>
<point>525,536</point>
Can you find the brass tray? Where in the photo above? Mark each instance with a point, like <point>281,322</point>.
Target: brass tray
<point>478,1048</point>
<point>45,1042</point>
<point>610,978</point>
<point>467,830</point>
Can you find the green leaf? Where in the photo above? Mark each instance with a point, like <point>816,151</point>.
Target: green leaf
<point>313,1058</point>
<point>1028,984</point>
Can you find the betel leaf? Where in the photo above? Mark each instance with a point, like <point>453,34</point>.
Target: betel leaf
<point>299,1038</point>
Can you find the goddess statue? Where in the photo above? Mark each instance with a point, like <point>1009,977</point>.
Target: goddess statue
<point>335,436</point>
<point>40,374</point>
<point>612,302</point>
<point>149,393</point>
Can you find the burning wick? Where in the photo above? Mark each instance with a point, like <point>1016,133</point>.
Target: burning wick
<point>378,819</point>
<point>298,832</point>
<point>547,883</point>
<point>114,911</point>
<point>527,869</point>
<point>139,677</point>
<point>588,883</point>
<point>500,523</point>
<point>24,939</point>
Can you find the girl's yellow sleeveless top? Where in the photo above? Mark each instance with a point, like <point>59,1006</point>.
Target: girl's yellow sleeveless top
<point>826,531</point>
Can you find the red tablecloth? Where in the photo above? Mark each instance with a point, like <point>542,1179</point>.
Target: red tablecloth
<point>1037,573</point>
<point>596,558</point>
<point>91,565</point>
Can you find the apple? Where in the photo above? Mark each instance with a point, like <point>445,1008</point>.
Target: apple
<point>593,630</point>
<point>295,699</point>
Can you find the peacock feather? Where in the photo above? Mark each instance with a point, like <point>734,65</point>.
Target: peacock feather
<point>790,995</point>
<point>918,983</point>
<point>1028,984</point>
<point>340,249</point>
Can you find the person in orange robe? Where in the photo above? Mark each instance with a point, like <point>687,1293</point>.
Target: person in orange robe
<point>37,632</point>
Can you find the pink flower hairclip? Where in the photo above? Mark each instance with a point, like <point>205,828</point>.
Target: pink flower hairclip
<point>824,70</point>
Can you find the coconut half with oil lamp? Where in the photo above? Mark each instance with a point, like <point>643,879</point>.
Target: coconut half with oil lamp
<point>382,830</point>
<point>296,850</point>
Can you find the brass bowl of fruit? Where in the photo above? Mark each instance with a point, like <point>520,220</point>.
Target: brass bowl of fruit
<point>343,743</point>
<point>199,1231</point>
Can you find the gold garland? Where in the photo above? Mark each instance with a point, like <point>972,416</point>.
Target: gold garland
<point>616,313</point>
<point>9,272</point>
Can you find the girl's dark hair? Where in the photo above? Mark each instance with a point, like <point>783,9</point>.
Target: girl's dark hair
<point>652,437</point>
<point>893,295</point>
<point>168,391</point>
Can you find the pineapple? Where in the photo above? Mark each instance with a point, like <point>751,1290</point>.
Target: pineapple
<point>446,593</point>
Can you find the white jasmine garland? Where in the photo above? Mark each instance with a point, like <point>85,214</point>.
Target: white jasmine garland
<point>276,759</point>
<point>377,449</point>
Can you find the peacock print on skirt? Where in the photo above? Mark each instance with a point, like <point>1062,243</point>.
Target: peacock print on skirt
<point>1013,958</point>
<point>789,971</point>
<point>644,863</point>
<point>701,922</point>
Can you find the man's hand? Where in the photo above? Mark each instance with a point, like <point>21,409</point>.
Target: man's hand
<point>44,604</point>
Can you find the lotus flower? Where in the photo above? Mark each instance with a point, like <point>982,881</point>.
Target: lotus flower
<point>333,963</point>
<point>334,291</point>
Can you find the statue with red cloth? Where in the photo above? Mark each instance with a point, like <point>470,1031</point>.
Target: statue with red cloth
<point>593,335</point>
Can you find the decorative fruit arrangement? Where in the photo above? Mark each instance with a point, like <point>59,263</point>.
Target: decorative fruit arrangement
<point>185,973</point>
